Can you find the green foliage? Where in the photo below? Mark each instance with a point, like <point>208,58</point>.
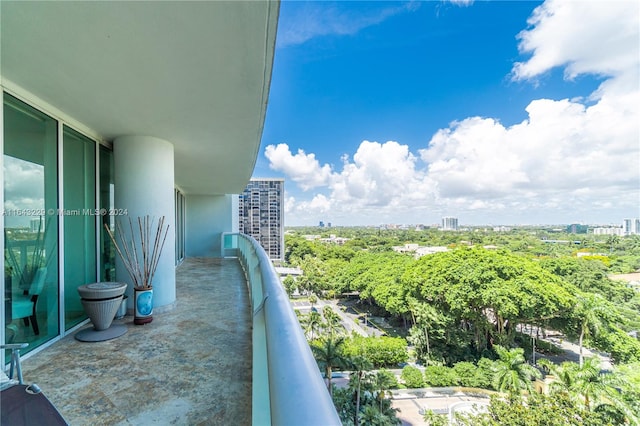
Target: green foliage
<point>538,410</point>
<point>592,389</point>
<point>622,347</point>
<point>333,324</point>
<point>625,264</point>
<point>371,410</point>
<point>484,373</point>
<point>588,275</point>
<point>440,376</point>
<point>629,375</point>
<point>469,375</point>
<point>512,373</point>
<point>468,283</point>
<point>385,379</point>
<point>412,377</point>
<point>365,400</point>
<point>297,248</point>
<point>433,419</point>
<point>289,285</point>
<point>381,351</point>
<point>460,305</point>
<point>376,275</point>
<point>329,355</point>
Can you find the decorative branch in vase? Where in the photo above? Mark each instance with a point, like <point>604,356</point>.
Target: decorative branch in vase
<point>140,254</point>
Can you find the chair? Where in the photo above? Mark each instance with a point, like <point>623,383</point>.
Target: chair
<point>7,381</point>
<point>24,305</point>
<point>24,405</point>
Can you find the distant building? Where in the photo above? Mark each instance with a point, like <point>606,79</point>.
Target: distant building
<point>609,231</point>
<point>418,250</point>
<point>576,228</point>
<point>262,214</point>
<point>321,224</point>
<point>289,272</point>
<point>631,226</point>
<point>334,240</point>
<point>449,223</point>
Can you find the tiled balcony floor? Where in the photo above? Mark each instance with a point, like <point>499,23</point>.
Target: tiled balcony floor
<point>191,365</point>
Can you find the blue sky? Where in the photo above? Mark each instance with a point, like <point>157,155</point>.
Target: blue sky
<point>494,112</point>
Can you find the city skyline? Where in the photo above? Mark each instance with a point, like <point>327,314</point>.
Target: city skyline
<point>462,225</point>
<point>494,112</point>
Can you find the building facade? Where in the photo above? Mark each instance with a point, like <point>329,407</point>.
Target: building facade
<point>261,214</point>
<point>608,231</point>
<point>107,115</point>
<point>631,226</point>
<point>449,223</point>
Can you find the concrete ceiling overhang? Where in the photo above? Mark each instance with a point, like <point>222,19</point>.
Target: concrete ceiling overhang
<point>194,73</point>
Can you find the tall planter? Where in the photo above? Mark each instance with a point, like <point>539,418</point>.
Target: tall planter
<point>140,253</point>
<point>142,306</point>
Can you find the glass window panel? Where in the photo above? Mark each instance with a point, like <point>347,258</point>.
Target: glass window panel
<point>79,180</point>
<point>107,250</point>
<point>30,173</point>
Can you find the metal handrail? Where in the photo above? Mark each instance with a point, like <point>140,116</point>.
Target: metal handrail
<point>296,394</point>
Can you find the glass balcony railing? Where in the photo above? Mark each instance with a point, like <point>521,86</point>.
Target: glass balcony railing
<point>287,385</point>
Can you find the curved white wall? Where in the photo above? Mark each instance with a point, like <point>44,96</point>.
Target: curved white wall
<point>208,216</point>
<point>144,185</point>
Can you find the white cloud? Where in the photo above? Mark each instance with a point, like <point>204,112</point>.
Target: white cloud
<point>23,189</point>
<point>568,159</point>
<point>462,3</point>
<point>319,204</point>
<point>378,176</point>
<point>584,36</point>
<point>309,20</point>
<point>302,168</point>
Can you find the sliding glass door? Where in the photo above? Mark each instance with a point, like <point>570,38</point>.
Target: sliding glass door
<point>30,172</point>
<point>79,190</point>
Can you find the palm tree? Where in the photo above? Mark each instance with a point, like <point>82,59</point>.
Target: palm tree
<point>382,381</point>
<point>424,315</point>
<point>590,385</point>
<point>612,240</point>
<point>313,299</point>
<point>590,310</point>
<point>598,388</point>
<point>359,366</point>
<point>372,417</point>
<point>312,322</point>
<point>564,377</point>
<point>512,374</point>
<point>332,320</point>
<point>328,354</point>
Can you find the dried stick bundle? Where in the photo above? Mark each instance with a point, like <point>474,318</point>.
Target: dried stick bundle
<point>140,255</point>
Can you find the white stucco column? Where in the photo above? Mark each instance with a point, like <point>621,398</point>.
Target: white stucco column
<point>144,185</point>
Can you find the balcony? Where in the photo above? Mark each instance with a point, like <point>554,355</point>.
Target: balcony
<point>191,365</point>
<point>205,362</point>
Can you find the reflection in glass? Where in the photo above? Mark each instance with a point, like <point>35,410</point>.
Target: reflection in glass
<point>107,250</point>
<point>31,227</point>
<point>79,158</point>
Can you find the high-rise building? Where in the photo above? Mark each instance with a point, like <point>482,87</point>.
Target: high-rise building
<point>261,214</point>
<point>449,223</point>
<point>630,226</point>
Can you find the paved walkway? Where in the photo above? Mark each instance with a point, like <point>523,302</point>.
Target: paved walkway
<point>190,366</point>
<point>350,321</point>
<point>412,403</point>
